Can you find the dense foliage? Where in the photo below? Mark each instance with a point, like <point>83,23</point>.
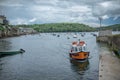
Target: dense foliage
<point>59,27</point>
<point>1,27</point>
<point>65,27</point>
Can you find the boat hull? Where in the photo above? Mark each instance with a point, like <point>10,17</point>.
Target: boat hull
<point>82,56</point>
<point>12,52</point>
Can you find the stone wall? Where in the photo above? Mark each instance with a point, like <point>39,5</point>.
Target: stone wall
<point>113,41</point>
<point>9,32</point>
<point>102,38</point>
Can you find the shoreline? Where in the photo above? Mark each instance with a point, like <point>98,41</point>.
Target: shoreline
<point>8,36</point>
<point>109,66</point>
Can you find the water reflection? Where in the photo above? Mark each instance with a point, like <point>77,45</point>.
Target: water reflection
<point>1,64</point>
<point>79,67</point>
<point>45,58</point>
<point>5,45</point>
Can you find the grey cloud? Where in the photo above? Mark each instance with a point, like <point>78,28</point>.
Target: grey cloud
<point>112,9</point>
<point>60,10</point>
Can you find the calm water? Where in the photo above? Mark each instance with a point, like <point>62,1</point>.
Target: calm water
<point>47,58</point>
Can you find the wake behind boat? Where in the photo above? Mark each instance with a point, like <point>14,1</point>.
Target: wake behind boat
<point>78,51</point>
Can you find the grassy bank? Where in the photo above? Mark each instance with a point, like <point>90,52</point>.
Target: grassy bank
<point>115,44</point>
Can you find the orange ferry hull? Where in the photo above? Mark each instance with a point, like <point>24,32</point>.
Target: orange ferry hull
<point>79,55</point>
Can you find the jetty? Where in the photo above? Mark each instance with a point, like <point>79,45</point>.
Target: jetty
<point>109,66</point>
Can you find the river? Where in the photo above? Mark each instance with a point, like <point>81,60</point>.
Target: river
<point>47,58</point>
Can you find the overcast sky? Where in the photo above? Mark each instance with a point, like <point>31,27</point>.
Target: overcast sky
<point>56,11</point>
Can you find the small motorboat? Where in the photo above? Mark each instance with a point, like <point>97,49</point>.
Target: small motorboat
<point>74,36</point>
<point>94,34</point>
<point>58,35</point>
<point>68,37</point>
<point>78,51</point>
<point>12,52</point>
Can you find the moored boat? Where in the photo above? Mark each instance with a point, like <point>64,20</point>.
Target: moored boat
<point>58,35</point>
<point>78,51</point>
<point>12,52</point>
<point>74,36</point>
<point>94,34</point>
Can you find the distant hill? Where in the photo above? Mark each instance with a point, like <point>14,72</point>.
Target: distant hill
<point>115,27</point>
<point>60,27</point>
<point>66,27</point>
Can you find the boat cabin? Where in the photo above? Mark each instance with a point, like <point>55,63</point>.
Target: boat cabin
<point>79,51</point>
<point>75,48</point>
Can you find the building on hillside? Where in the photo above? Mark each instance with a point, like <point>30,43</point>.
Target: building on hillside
<point>26,30</point>
<point>3,20</point>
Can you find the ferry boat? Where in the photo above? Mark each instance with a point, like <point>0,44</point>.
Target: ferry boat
<point>78,51</point>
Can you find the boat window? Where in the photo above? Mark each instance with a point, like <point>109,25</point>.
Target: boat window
<point>84,48</point>
<point>72,48</point>
<point>80,48</point>
<point>75,48</point>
